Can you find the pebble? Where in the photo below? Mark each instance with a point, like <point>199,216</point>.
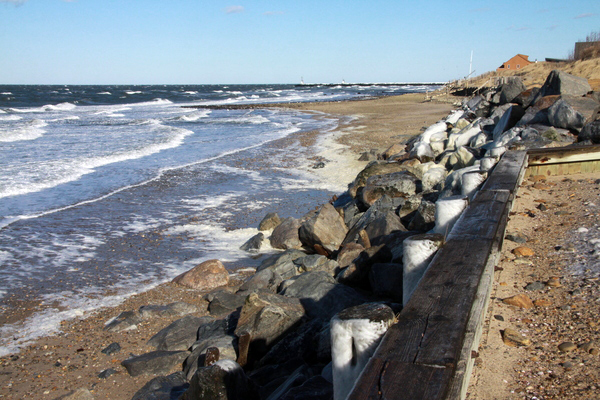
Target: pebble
<point>582,230</point>
<point>554,281</point>
<point>542,207</point>
<point>499,317</point>
<point>112,348</point>
<point>520,300</point>
<point>567,365</point>
<point>537,285</point>
<point>517,238</point>
<point>588,347</point>
<point>523,251</point>
<point>561,213</point>
<point>106,373</point>
<point>542,303</point>
<point>567,346</point>
<point>512,338</point>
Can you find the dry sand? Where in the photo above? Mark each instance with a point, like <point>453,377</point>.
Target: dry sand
<point>72,359</point>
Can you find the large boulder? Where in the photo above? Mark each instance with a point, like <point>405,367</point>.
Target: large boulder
<point>321,295</point>
<point>315,388</point>
<point>508,120</point>
<point>348,253</point>
<point>562,83</point>
<point>224,380</point>
<point>176,309</point>
<point>386,280</point>
<point>282,263</point>
<point>285,235</point>
<point>266,279</point>
<point>511,89</point>
<point>224,302</point>
<point>125,321</point>
<point>395,184</point>
<point>374,168</point>
<point>179,335</point>
<point>270,221</point>
<point>155,362</point>
<point>253,244</point>
<point>326,228</point>
<point>163,388</point>
<point>266,317</point>
<point>383,224</point>
<point>208,275</point>
<point>573,112</point>
<point>590,132</point>
<point>424,219</point>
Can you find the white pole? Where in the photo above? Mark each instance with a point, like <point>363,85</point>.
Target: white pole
<point>471,64</point>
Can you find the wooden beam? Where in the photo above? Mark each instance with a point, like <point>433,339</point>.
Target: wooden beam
<point>561,155</point>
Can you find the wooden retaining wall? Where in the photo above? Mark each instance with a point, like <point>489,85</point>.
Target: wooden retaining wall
<point>427,355</point>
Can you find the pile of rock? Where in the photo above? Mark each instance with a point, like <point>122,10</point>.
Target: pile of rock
<point>370,245</point>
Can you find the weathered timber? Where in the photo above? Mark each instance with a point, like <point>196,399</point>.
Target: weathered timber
<point>428,352</point>
<point>560,155</point>
<point>508,173</point>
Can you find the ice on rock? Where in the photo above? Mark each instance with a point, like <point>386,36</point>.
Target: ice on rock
<point>447,212</point>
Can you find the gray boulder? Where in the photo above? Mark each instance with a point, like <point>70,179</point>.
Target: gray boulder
<point>326,228</point>
<point>562,83</point>
<point>224,380</point>
<point>208,275</point>
<point>125,321</point>
<point>383,224</point>
<point>224,302</point>
<point>176,309</point>
<point>163,388</point>
<point>282,263</point>
<point>285,235</point>
<point>266,317</point>
<point>179,335</point>
<point>270,221</point>
<point>508,120</point>
<point>590,132</point>
<point>265,279</point>
<point>511,89</point>
<point>396,184</point>
<point>372,169</point>
<point>424,219</point>
<point>155,362</point>
<point>348,253</point>
<point>220,341</point>
<point>573,112</point>
<point>310,262</point>
<point>321,295</point>
<point>253,244</point>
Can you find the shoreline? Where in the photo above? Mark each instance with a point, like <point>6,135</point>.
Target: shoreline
<point>73,357</point>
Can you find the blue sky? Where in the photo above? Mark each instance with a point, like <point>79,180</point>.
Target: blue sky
<point>244,41</point>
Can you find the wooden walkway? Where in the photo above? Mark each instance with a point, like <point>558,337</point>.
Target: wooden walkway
<point>427,355</point>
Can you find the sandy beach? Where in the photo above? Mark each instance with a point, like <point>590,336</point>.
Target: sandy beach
<point>72,359</point>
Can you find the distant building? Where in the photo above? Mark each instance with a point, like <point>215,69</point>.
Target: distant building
<point>517,62</point>
<point>581,48</point>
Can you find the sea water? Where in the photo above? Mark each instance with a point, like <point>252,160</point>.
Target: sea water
<point>107,191</point>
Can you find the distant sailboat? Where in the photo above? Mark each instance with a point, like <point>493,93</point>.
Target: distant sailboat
<point>302,80</point>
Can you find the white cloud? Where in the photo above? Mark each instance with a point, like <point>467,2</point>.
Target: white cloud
<point>586,15</point>
<point>234,9</point>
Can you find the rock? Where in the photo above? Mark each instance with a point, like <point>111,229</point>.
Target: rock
<point>163,388</point>
<point>542,303</point>
<point>208,275</point>
<point>512,338</point>
<point>224,380</point>
<point>224,302</point>
<point>125,321</point>
<point>154,362</point>
<point>508,120</point>
<point>393,149</point>
<point>358,271</point>
<point>433,179</point>
<point>179,335</point>
<point>270,221</point>
<point>511,89</point>
<point>326,228</point>
<point>348,253</point>
<point>221,341</point>
<point>369,155</point>
<point>283,263</point>
<point>111,349</point>
<point>106,373</point>
<point>175,309</point>
<point>562,83</point>
<point>566,347</point>
<point>422,151</point>
<point>572,112</point>
<point>321,296</point>
<point>395,184</point>
<point>590,131</point>
<point>520,300</point>
<point>588,347</point>
<point>266,317</point>
<point>523,251</point>
<point>516,237</point>
<point>386,280</point>
<point>554,281</point>
<point>372,169</point>
<point>253,244</point>
<point>79,394</point>
<point>424,219</point>
<point>383,224</point>
<point>310,262</point>
<point>265,279</point>
<point>285,235</point>
<point>315,388</point>
<point>535,286</point>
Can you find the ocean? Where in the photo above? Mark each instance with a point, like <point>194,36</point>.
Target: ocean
<point>107,191</point>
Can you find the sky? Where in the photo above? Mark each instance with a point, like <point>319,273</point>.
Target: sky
<point>246,41</point>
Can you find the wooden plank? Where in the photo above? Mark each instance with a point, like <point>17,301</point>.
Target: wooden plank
<point>394,380</point>
<point>561,155</point>
<point>481,218</point>
<point>507,174</point>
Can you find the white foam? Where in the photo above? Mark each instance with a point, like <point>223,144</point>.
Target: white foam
<point>6,93</point>
<point>10,118</point>
<point>29,131</point>
<point>195,116</point>
<point>59,107</point>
